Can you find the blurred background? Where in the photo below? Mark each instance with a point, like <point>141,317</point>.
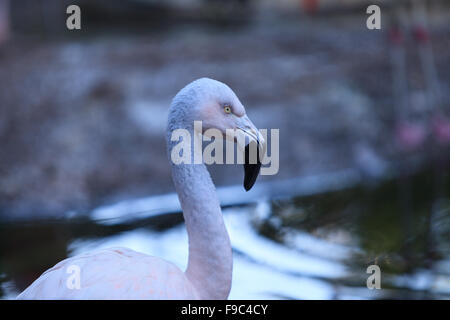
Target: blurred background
<point>364,139</point>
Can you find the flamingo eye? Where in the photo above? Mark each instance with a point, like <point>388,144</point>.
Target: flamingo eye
<point>227,108</point>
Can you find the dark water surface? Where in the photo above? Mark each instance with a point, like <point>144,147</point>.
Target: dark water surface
<point>313,247</point>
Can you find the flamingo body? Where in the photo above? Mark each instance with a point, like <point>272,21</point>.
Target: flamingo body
<point>113,273</point>
<point>120,273</point>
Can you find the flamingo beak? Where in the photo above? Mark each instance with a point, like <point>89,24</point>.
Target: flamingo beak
<point>254,148</point>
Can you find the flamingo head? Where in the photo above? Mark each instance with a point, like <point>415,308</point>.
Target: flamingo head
<point>217,107</point>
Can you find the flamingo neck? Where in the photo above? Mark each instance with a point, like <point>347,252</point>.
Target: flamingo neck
<point>210,258</point>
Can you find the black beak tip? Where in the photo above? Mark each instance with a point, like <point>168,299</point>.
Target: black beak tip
<point>247,186</point>
<point>251,171</point>
<point>251,174</point>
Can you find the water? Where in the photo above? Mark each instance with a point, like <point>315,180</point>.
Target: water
<point>316,245</point>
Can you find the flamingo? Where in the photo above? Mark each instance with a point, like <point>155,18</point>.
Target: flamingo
<point>121,273</point>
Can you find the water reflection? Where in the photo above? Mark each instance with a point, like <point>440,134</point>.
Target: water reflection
<point>307,247</point>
